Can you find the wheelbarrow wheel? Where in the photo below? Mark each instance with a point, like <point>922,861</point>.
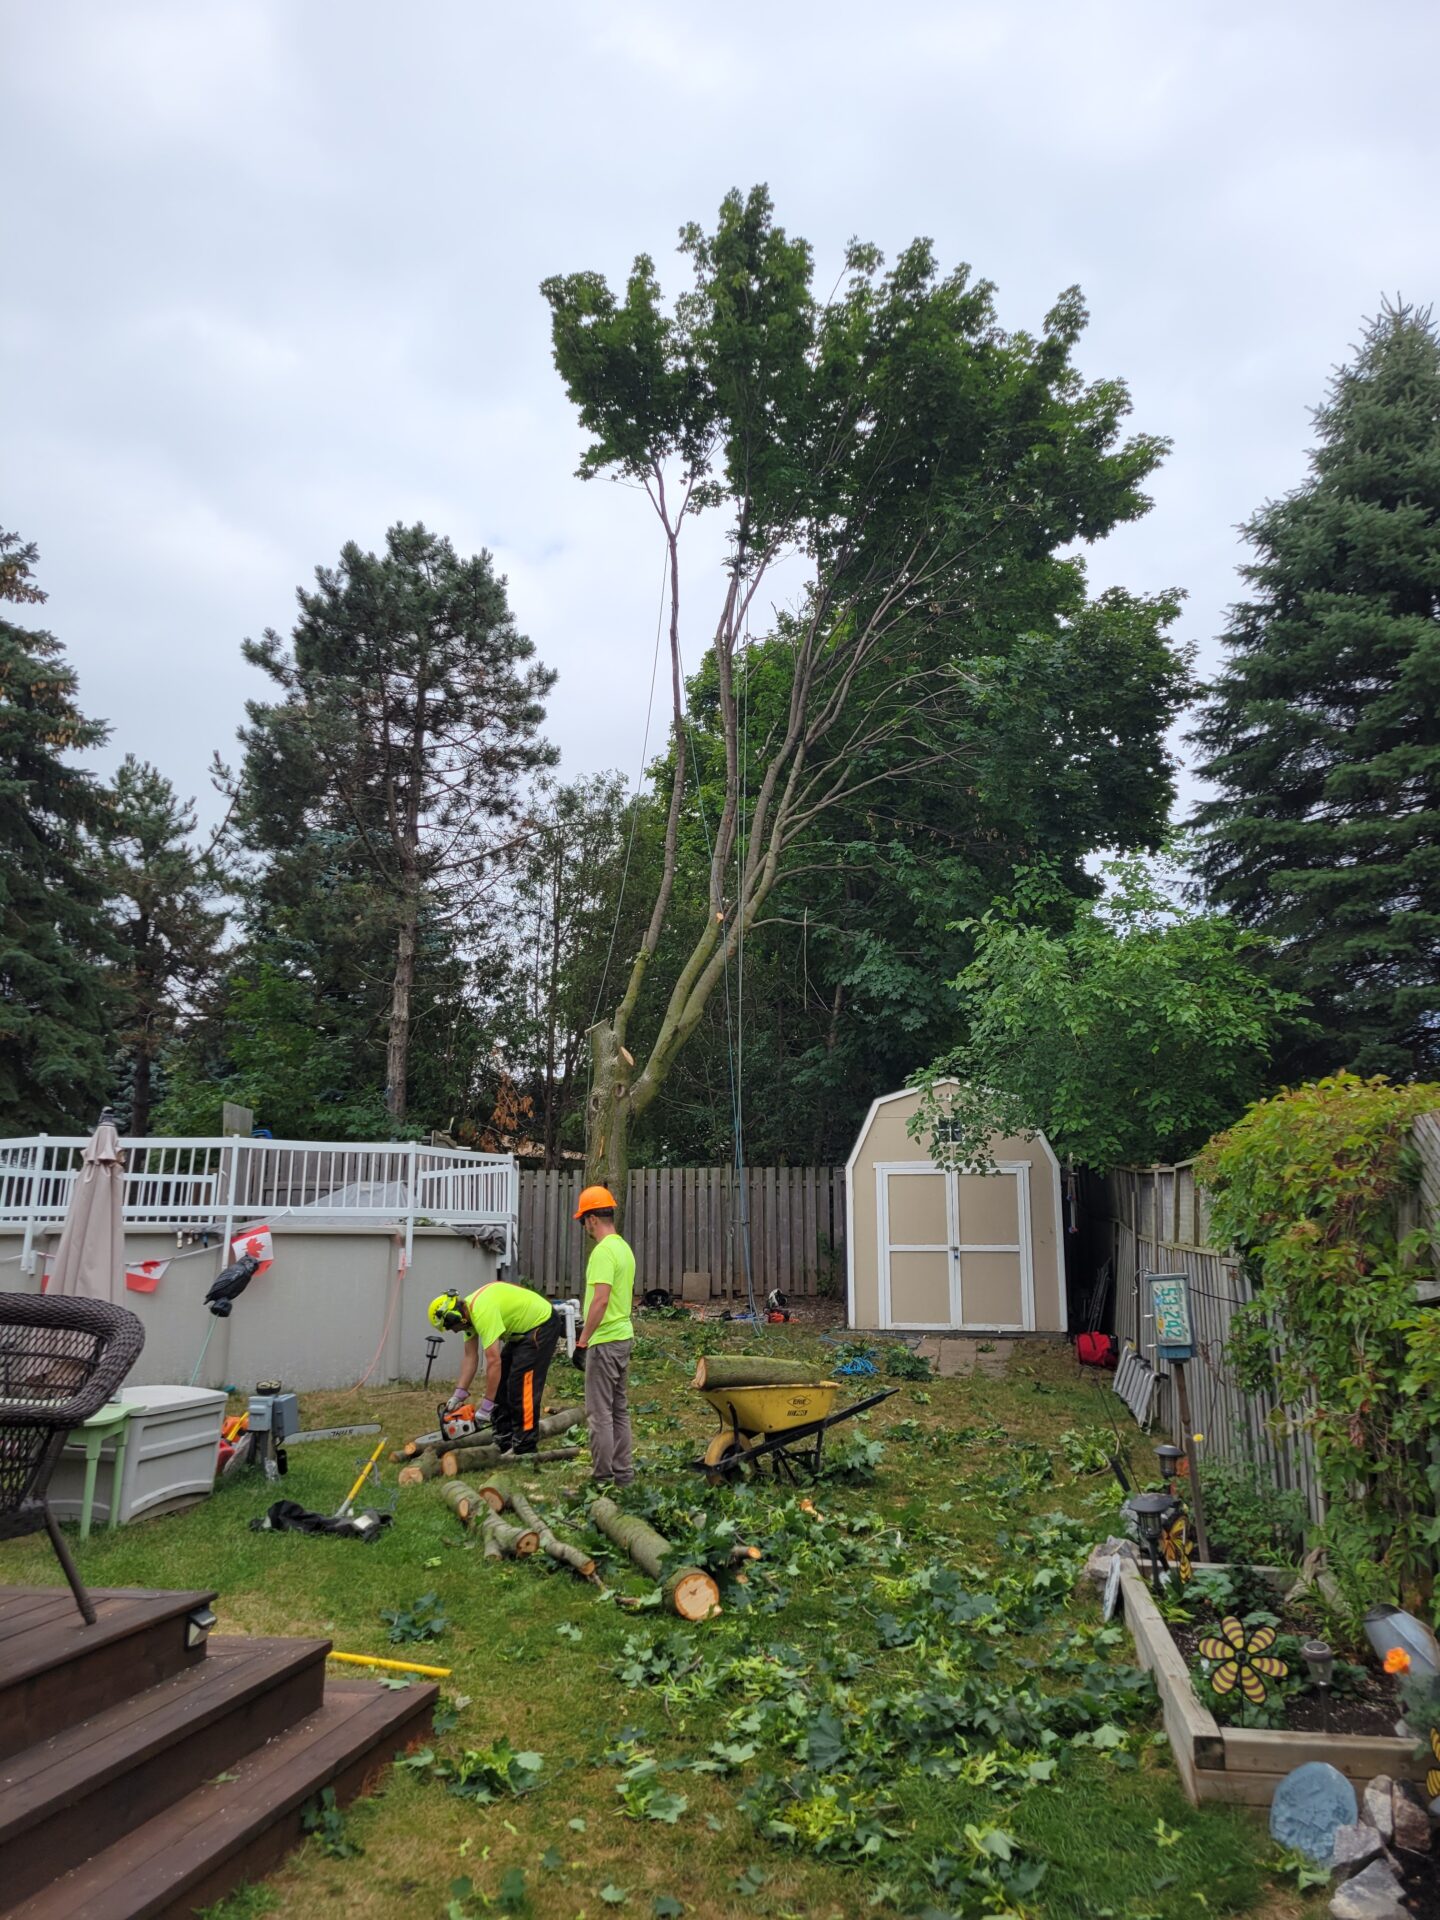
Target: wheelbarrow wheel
<point>724,1454</point>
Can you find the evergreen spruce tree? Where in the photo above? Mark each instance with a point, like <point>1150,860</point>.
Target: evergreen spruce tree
<point>1323,729</point>
<point>54,988</point>
<point>162,894</point>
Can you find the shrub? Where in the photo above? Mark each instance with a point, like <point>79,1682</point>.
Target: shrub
<point>1307,1187</point>
<point>1250,1519</point>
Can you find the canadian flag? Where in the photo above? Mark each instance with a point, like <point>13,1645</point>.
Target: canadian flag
<point>142,1275</point>
<point>258,1244</point>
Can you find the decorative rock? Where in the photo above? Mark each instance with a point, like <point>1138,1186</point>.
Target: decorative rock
<point>1379,1806</point>
<point>1412,1822</point>
<point>1374,1894</point>
<point>1310,1806</point>
<point>1355,1847</point>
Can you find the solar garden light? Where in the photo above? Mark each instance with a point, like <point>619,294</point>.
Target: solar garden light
<point>1320,1661</point>
<point>1151,1511</point>
<point>1169,1458</point>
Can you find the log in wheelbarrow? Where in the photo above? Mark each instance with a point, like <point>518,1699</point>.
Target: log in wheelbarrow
<point>784,1425</point>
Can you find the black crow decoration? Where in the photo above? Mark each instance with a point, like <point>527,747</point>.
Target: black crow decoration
<point>226,1287</point>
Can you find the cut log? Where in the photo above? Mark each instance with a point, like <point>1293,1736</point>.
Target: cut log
<point>515,1543</point>
<point>427,1467</point>
<point>558,1550</point>
<point>753,1370</point>
<point>690,1592</point>
<point>472,1459</point>
<point>481,1452</point>
<point>494,1490</point>
<point>464,1502</point>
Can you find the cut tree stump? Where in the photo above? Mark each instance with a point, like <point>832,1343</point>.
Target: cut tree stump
<point>558,1550</point>
<point>427,1467</point>
<point>690,1592</point>
<point>752,1370</point>
<point>515,1543</point>
<point>464,1502</point>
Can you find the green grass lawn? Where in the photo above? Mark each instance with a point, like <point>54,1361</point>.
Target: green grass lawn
<point>908,1706</point>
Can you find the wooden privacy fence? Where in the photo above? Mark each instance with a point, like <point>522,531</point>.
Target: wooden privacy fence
<point>1159,1224</point>
<point>689,1219</point>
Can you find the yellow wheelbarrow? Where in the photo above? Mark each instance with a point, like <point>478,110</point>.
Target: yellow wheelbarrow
<point>786,1425</point>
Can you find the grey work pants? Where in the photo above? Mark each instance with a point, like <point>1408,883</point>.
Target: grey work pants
<point>607,1411</point>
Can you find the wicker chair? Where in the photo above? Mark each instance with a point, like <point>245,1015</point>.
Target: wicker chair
<point>60,1361</point>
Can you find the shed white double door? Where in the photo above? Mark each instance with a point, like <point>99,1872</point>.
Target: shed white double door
<point>955,1248</point>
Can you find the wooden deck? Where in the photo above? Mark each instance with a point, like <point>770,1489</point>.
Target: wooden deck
<point>143,1776</point>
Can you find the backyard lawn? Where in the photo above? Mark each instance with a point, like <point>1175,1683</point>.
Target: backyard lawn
<point>907,1706</point>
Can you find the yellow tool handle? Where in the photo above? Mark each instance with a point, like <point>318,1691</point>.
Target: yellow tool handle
<point>348,1501</point>
<point>395,1666</point>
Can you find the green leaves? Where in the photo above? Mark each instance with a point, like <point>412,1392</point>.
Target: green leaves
<point>424,1619</point>
<point>487,1774</point>
<point>825,1742</point>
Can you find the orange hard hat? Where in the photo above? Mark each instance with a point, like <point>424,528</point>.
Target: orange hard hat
<point>593,1200</point>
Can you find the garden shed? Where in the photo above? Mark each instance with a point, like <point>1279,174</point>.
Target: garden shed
<point>935,1249</point>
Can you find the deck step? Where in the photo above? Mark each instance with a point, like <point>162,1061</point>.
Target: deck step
<point>226,1831</point>
<point>85,1788</point>
<point>55,1671</point>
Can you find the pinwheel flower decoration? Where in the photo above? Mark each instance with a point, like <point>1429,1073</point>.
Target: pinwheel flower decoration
<point>1241,1659</point>
<point>1432,1778</point>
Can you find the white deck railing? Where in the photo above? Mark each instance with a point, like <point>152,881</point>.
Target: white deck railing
<point>223,1183</point>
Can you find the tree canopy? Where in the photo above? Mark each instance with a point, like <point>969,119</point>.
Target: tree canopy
<point>1322,730</point>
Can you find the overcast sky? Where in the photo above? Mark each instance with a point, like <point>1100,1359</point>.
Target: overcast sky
<point>271,277</point>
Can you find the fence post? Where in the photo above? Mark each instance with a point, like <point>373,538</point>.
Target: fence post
<point>27,1245</point>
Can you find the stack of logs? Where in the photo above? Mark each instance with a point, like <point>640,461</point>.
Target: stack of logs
<point>433,1463</point>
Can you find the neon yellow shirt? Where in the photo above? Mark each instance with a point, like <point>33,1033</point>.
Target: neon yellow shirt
<point>611,1264</point>
<point>503,1311</point>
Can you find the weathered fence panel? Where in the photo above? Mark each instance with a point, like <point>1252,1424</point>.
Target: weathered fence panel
<point>692,1219</point>
<point>1159,1221</point>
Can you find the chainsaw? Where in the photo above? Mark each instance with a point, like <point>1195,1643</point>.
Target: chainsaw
<point>458,1423</point>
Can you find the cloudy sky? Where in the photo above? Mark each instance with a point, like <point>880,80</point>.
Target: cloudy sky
<point>271,276</point>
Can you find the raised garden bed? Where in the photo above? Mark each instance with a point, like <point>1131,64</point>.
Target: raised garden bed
<point>1243,1765</point>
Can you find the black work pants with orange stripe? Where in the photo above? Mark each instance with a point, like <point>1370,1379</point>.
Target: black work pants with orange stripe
<point>524,1363</point>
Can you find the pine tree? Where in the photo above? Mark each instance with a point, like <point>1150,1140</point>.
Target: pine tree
<point>162,893</point>
<point>1323,730</point>
<point>54,990</point>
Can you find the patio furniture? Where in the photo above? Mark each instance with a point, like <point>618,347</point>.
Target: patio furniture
<point>60,1361</point>
<point>111,1423</point>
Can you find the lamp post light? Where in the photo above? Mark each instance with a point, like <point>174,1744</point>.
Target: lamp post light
<point>1151,1510</point>
<point>1320,1661</point>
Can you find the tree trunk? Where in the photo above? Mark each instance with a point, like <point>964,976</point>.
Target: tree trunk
<point>690,1591</point>
<point>464,1502</point>
<point>515,1543</point>
<point>607,1116</point>
<point>465,1459</point>
<point>397,1050</point>
<point>425,1467</point>
<point>558,1550</point>
<point>753,1370</point>
<point>140,1087</point>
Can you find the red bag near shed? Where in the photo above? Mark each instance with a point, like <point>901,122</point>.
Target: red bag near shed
<point>1096,1350</point>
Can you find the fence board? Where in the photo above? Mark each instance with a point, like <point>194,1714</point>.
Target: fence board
<point>680,1218</point>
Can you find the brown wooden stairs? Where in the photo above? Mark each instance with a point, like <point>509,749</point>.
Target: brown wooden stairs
<point>146,1769</point>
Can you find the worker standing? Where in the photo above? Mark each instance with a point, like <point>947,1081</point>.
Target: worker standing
<point>606,1338</point>
<point>517,1330</point>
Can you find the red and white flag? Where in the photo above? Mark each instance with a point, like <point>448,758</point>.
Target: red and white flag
<point>141,1276</point>
<point>258,1244</point>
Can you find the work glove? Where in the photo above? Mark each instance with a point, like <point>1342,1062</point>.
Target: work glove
<point>457,1399</point>
<point>487,1407</point>
<point>577,1358</point>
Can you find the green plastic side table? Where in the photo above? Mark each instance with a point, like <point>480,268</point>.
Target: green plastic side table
<point>110,1423</point>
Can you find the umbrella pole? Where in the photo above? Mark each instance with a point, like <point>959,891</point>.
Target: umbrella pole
<point>201,1361</point>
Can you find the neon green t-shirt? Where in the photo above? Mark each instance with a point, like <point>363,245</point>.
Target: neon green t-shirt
<point>611,1264</point>
<point>503,1311</point>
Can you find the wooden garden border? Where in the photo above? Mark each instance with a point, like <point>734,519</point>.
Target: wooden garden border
<point>1242,1765</point>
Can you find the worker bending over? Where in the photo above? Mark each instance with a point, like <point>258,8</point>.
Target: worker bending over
<point>605,1340</point>
<point>516,1330</point>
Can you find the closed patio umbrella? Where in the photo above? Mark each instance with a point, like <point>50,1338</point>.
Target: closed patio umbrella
<point>90,1259</point>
